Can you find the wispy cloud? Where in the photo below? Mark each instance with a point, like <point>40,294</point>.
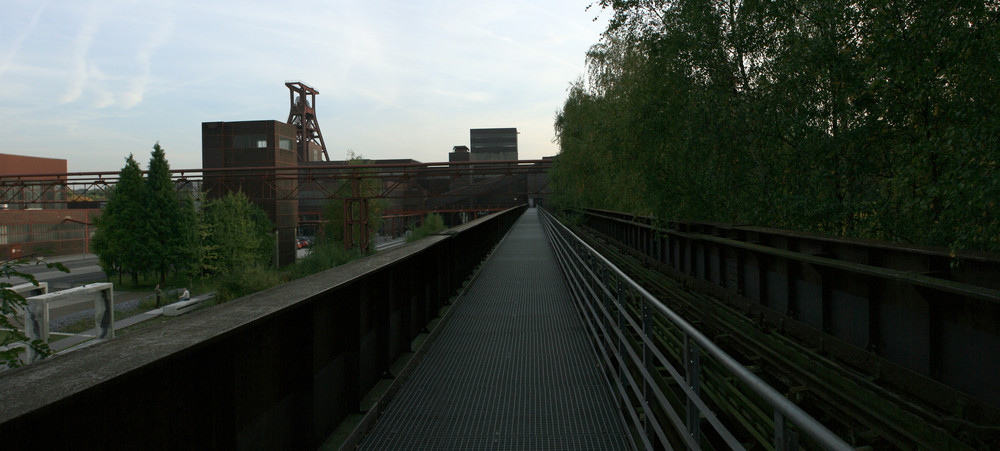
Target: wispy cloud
<point>398,79</point>
<point>137,88</point>
<point>81,46</point>
<point>105,98</point>
<point>19,41</point>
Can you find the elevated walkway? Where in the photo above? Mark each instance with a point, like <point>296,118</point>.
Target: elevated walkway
<point>513,368</point>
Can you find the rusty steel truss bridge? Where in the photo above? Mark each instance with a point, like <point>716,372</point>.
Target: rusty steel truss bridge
<point>406,190</point>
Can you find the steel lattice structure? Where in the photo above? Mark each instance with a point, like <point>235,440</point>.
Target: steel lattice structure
<point>302,114</point>
<point>412,189</point>
<point>434,183</point>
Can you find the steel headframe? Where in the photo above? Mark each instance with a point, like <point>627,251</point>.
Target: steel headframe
<point>302,114</point>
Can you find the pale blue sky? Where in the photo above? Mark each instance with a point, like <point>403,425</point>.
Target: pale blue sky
<point>92,81</point>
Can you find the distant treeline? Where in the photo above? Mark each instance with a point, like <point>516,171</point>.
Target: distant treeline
<point>874,119</point>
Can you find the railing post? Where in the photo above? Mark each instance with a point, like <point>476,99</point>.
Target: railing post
<point>647,361</point>
<point>610,338</point>
<point>620,333</point>
<point>692,367</point>
<point>783,439</point>
<point>779,431</point>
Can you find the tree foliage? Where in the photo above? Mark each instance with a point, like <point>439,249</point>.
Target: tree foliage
<point>237,233</point>
<point>432,224</point>
<point>120,241</point>
<point>172,221</point>
<point>146,226</point>
<point>329,251</point>
<point>367,186</point>
<point>875,118</point>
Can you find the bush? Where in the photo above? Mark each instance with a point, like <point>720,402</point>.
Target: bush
<point>322,256</point>
<point>433,223</point>
<point>245,281</point>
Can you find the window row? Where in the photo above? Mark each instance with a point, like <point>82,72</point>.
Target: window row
<point>249,141</point>
<point>27,233</point>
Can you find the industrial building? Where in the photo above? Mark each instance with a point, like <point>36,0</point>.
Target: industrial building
<point>27,169</point>
<point>254,144</point>
<point>250,157</point>
<point>267,144</point>
<point>35,219</point>
<point>404,191</point>
<point>459,153</point>
<point>493,144</point>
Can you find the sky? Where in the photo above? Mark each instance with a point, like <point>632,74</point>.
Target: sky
<point>93,81</point>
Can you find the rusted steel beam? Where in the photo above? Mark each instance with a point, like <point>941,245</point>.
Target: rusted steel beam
<point>46,188</point>
<point>902,309</point>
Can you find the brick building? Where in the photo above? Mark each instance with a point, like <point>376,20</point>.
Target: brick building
<point>34,218</point>
<point>254,144</point>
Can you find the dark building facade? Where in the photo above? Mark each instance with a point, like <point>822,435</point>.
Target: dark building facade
<point>459,153</point>
<point>254,144</point>
<point>492,144</point>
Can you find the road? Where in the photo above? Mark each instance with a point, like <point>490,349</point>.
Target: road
<point>83,269</point>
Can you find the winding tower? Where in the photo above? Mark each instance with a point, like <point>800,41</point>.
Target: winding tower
<point>302,114</point>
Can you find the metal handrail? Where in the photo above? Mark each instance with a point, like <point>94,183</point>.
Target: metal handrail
<point>910,277</point>
<point>783,408</point>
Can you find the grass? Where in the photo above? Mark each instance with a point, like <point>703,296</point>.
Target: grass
<point>79,327</point>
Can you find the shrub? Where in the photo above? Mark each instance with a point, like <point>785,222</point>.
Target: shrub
<point>322,256</point>
<point>246,280</point>
<point>433,223</point>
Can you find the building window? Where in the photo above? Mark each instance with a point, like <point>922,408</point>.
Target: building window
<point>249,141</point>
<point>286,143</point>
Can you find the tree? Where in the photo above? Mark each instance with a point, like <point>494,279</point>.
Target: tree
<point>146,225</point>
<point>333,210</point>
<point>120,240</point>
<point>172,221</point>
<point>237,234</point>
<point>332,228</point>
<point>11,306</point>
<point>874,119</point>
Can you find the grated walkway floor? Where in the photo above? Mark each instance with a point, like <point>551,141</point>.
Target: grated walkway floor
<point>513,368</point>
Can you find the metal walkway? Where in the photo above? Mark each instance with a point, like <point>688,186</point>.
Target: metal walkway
<point>513,368</point>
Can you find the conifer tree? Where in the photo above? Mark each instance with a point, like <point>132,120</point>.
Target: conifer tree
<point>119,241</point>
<point>172,220</point>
